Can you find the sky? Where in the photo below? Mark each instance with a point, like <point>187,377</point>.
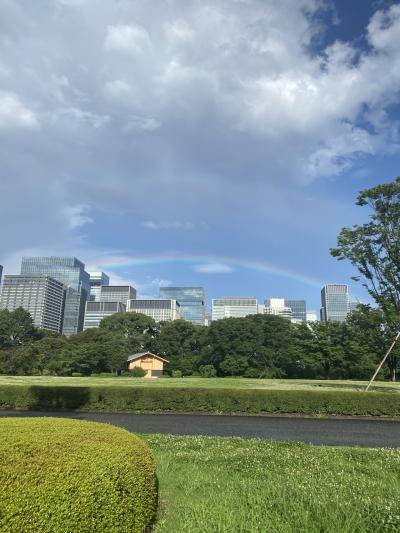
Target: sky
<point>214,143</point>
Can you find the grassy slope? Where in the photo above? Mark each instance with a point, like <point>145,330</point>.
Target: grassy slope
<point>241,383</point>
<point>234,485</point>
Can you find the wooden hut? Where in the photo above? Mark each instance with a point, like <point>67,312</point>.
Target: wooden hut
<point>153,364</point>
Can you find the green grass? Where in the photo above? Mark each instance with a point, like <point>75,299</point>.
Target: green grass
<point>210,484</point>
<point>60,475</point>
<point>196,382</point>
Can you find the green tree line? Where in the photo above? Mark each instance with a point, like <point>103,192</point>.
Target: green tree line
<point>257,346</point>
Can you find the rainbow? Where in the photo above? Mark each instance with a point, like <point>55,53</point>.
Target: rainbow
<point>123,261</point>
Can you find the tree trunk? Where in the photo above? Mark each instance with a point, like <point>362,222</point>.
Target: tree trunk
<point>393,374</point>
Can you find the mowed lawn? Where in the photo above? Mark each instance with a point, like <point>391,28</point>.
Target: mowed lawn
<point>229,383</point>
<point>210,484</point>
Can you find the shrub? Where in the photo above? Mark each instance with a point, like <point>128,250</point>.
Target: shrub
<point>138,372</point>
<point>176,373</point>
<point>70,475</point>
<point>207,371</point>
<point>190,399</point>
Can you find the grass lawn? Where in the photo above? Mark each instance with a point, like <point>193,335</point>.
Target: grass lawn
<point>240,383</point>
<point>210,484</point>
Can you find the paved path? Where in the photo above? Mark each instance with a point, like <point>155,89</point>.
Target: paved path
<point>338,432</point>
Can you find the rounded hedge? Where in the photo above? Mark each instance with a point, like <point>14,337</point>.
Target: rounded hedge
<point>59,475</point>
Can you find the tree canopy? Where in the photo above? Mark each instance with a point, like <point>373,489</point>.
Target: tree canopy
<point>255,346</point>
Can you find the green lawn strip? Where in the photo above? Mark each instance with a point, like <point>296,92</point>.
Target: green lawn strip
<point>197,382</point>
<point>60,475</point>
<point>150,399</point>
<point>210,484</point>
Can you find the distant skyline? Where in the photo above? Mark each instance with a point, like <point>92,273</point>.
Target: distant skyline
<point>212,143</point>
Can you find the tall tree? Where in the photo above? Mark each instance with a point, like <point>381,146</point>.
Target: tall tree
<point>374,247</point>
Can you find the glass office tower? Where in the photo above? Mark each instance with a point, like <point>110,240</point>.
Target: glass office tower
<point>334,302</point>
<point>298,307</point>
<point>97,281</point>
<point>233,307</point>
<point>71,272</point>
<point>192,301</point>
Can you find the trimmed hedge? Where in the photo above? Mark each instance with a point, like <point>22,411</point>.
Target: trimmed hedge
<point>110,398</point>
<point>59,475</point>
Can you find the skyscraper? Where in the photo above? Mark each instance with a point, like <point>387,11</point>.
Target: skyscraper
<point>334,302</point>
<point>276,306</point>
<point>160,310</point>
<point>1,272</point>
<point>298,307</point>
<point>41,296</point>
<point>233,306</point>
<point>192,301</point>
<point>117,293</point>
<point>71,272</point>
<point>97,281</point>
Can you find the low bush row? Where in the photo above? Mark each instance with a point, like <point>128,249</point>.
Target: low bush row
<point>62,475</point>
<point>109,398</point>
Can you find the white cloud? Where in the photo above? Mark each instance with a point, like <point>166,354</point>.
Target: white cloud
<point>166,225</point>
<point>117,89</point>
<point>224,103</point>
<point>14,114</point>
<point>80,116</point>
<point>213,268</point>
<point>130,39</point>
<point>135,123</point>
<point>77,216</point>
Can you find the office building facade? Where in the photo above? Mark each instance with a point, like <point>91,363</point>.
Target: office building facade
<point>97,280</point>
<point>299,309</point>
<point>41,296</point>
<point>312,316</point>
<point>233,307</point>
<point>1,273</point>
<point>192,301</point>
<point>71,272</point>
<point>160,310</point>
<point>96,311</point>
<point>334,302</point>
<point>117,293</point>
<point>276,306</point>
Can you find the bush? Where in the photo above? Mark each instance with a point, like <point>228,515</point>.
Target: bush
<point>176,374</point>
<point>144,398</point>
<point>207,371</point>
<point>137,372</point>
<point>70,475</point>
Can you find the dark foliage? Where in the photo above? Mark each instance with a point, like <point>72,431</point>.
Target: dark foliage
<point>257,346</point>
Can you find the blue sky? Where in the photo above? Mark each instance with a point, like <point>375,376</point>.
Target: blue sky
<point>209,143</point>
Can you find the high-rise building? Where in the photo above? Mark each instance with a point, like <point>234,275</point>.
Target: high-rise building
<point>160,310</point>
<point>41,296</point>
<point>192,301</point>
<point>1,272</point>
<point>276,306</point>
<point>295,308</point>
<point>97,281</point>
<point>334,302</point>
<point>312,316</point>
<point>96,311</point>
<point>233,306</point>
<point>117,293</point>
<point>71,272</point>
<point>298,307</point>
<point>353,306</point>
